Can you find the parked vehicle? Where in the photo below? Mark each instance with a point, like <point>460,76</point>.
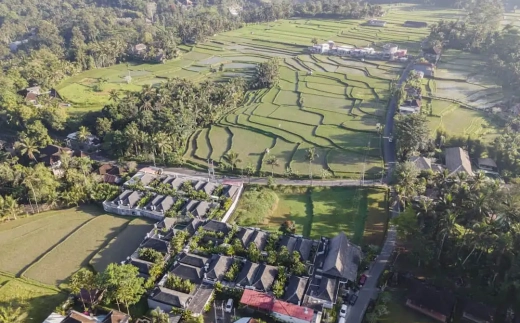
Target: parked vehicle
<point>229,305</point>
<point>353,299</point>
<point>362,280</point>
<point>343,311</point>
<point>342,320</point>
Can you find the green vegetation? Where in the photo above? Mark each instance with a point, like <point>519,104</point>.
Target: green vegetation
<point>179,284</point>
<point>35,301</point>
<point>124,244</point>
<point>316,212</point>
<point>254,206</point>
<point>150,255</point>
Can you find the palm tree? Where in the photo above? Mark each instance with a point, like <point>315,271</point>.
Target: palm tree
<point>30,180</point>
<point>158,316</point>
<point>85,166</point>
<point>10,314</point>
<point>273,161</point>
<point>83,134</point>
<point>163,144</point>
<point>449,222</point>
<point>232,158</point>
<point>311,155</point>
<point>113,95</point>
<point>10,207</point>
<point>250,170</point>
<point>27,146</point>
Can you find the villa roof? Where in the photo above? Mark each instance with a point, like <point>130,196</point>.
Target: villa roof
<point>170,297</point>
<point>295,290</point>
<point>457,160</point>
<point>343,258</point>
<point>259,238</point>
<point>265,277</point>
<point>326,290</point>
<point>193,260</point>
<point>487,162</point>
<point>193,226</point>
<point>422,163</point>
<point>157,244</point>
<point>116,317</point>
<point>244,235</point>
<point>191,273</point>
<point>219,266</point>
<point>247,274</point>
<point>217,226</point>
<point>201,209</point>
<point>301,245</point>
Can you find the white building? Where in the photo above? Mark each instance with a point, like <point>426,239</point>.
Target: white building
<point>390,49</point>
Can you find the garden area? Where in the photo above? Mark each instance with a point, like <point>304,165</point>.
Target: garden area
<point>360,212</point>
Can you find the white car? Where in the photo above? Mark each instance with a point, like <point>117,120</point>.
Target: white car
<point>229,305</point>
<point>343,311</point>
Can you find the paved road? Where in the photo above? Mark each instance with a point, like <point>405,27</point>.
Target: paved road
<point>370,289</point>
<point>281,181</point>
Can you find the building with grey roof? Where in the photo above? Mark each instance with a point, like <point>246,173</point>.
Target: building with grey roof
<point>264,277</point>
<point>159,245</point>
<point>259,238</point>
<point>457,160</point>
<point>244,236</point>
<point>246,277</point>
<point>301,245</point>
<point>201,209</point>
<point>194,225</point>
<point>191,273</point>
<point>295,291</point>
<point>193,260</point>
<point>218,267</point>
<point>217,226</point>
<point>342,258</point>
<point>167,299</point>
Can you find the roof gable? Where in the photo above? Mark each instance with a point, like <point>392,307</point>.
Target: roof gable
<point>343,258</point>
<point>193,260</point>
<point>193,274</point>
<point>247,274</point>
<point>457,160</point>
<point>171,297</point>
<point>219,266</point>
<point>265,277</point>
<point>295,290</point>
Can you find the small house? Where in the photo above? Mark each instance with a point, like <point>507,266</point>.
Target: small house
<point>475,312</point>
<point>431,302</point>
<point>424,164</point>
<point>90,142</point>
<point>457,160</point>
<point>390,49</point>
<point>415,24</point>
<point>376,23</point>
<point>410,107</point>
<point>487,164</point>
<point>344,50</point>
<point>295,290</point>
<point>167,299</point>
<point>139,49</point>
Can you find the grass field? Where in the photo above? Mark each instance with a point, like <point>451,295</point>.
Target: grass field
<point>36,301</point>
<point>51,246</point>
<point>399,312</point>
<point>360,213</point>
<point>123,245</point>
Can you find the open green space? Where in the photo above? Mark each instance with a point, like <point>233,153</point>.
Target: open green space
<point>36,301</point>
<point>360,212</point>
<point>51,246</point>
<point>399,312</point>
<point>123,245</point>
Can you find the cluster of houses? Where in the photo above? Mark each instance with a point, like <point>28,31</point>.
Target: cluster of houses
<point>34,95</point>
<point>156,205</point>
<point>330,262</point>
<point>76,317</point>
<point>389,52</point>
<point>456,160</point>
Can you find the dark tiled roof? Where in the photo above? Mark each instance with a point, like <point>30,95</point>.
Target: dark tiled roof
<point>193,274</point>
<point>217,226</point>
<point>209,188</point>
<point>170,297</point>
<point>143,266</point>
<point>193,260</point>
<point>327,289</point>
<point>480,311</point>
<point>265,277</point>
<point>295,290</point>
<point>259,238</point>
<point>230,191</point>
<point>343,258</point>
<point>247,274</point>
<point>244,235</point>
<point>430,298</point>
<point>302,245</point>
<point>193,226</point>
<point>201,209</point>
<point>167,223</point>
<point>109,169</point>
<point>157,244</point>
<point>219,266</point>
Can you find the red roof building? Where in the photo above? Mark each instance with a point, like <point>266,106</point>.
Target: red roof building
<point>257,300</point>
<point>283,311</point>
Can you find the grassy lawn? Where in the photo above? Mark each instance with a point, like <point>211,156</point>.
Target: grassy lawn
<point>24,241</point>
<point>78,248</point>
<point>36,301</point>
<point>361,213</point>
<point>122,245</point>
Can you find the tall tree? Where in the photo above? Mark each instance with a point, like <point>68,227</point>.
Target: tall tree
<point>272,161</point>
<point>27,147</point>
<point>233,158</point>
<point>123,284</point>
<point>311,156</point>
<point>411,132</point>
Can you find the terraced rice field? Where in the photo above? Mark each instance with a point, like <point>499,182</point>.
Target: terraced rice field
<point>331,103</point>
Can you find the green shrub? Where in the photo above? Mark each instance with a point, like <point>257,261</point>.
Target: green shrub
<point>254,206</point>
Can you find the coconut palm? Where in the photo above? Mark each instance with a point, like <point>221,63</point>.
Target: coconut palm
<point>113,95</point>
<point>162,143</point>
<point>83,134</point>
<point>311,155</point>
<point>159,316</point>
<point>10,314</point>
<point>27,146</point>
<point>272,161</point>
<point>232,158</point>
<point>10,207</point>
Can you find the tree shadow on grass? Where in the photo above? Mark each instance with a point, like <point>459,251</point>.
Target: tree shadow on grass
<point>35,309</point>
